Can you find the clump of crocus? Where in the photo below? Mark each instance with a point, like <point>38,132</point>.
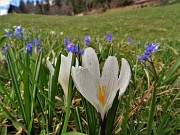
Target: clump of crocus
<point>108,37</point>
<point>151,47</point>
<point>100,91</point>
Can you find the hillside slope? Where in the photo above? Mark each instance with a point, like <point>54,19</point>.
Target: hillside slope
<point>147,23</point>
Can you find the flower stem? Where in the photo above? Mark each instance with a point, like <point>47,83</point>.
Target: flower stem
<point>151,113</point>
<point>154,69</point>
<point>153,103</point>
<point>69,100</point>
<point>103,127</point>
<point>102,124</point>
<point>66,120</point>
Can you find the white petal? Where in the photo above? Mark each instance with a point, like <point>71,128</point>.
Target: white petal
<point>90,61</point>
<point>50,67</point>
<point>111,96</point>
<point>125,76</point>
<point>77,63</point>
<point>64,73</point>
<point>110,74</point>
<point>85,84</point>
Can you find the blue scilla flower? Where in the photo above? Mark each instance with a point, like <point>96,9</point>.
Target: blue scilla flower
<point>36,41</point>
<point>29,46</point>
<point>68,45</point>
<point>38,48</point>
<point>8,33</point>
<point>17,31</point>
<point>151,47</point>
<point>87,40</point>
<point>130,40</point>
<point>67,41</point>
<point>17,35</point>
<point>70,48</point>
<point>4,48</point>
<point>81,51</point>
<point>108,37</point>
<point>76,48</point>
<point>147,52</point>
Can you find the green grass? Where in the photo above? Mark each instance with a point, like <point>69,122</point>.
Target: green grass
<point>160,22</point>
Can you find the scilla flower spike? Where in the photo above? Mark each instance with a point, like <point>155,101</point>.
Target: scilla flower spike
<point>101,91</point>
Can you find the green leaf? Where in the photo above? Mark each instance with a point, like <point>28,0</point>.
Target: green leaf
<point>7,95</point>
<point>77,118</point>
<point>53,86</point>
<point>27,96</point>
<point>111,115</point>
<point>126,117</point>
<point>69,101</point>
<point>42,132</point>
<point>172,71</point>
<point>4,131</point>
<point>91,116</point>
<point>74,133</point>
<point>15,84</point>
<point>36,76</point>
<point>2,39</point>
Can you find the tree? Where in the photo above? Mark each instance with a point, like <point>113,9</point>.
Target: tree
<point>88,5</point>
<point>78,6</point>
<point>58,3</point>
<point>46,7</point>
<point>30,7</point>
<point>22,7</point>
<point>38,9</point>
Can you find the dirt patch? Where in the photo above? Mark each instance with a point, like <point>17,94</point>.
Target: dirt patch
<point>141,4</point>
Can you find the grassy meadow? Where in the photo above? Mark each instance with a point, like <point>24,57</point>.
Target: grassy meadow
<point>160,22</point>
<point>33,100</point>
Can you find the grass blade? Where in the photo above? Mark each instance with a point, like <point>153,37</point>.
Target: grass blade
<point>4,131</point>
<point>53,86</point>
<point>27,96</point>
<point>15,85</point>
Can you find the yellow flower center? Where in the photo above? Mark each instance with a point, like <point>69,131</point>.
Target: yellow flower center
<point>101,94</point>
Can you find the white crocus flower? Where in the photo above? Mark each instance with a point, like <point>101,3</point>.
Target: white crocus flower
<point>65,68</point>
<point>101,91</point>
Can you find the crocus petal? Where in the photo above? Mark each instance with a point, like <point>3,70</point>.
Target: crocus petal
<point>85,84</point>
<point>90,61</point>
<point>109,74</point>
<point>64,73</point>
<point>125,76</point>
<point>50,67</point>
<point>111,96</point>
<point>109,80</point>
<point>77,63</point>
